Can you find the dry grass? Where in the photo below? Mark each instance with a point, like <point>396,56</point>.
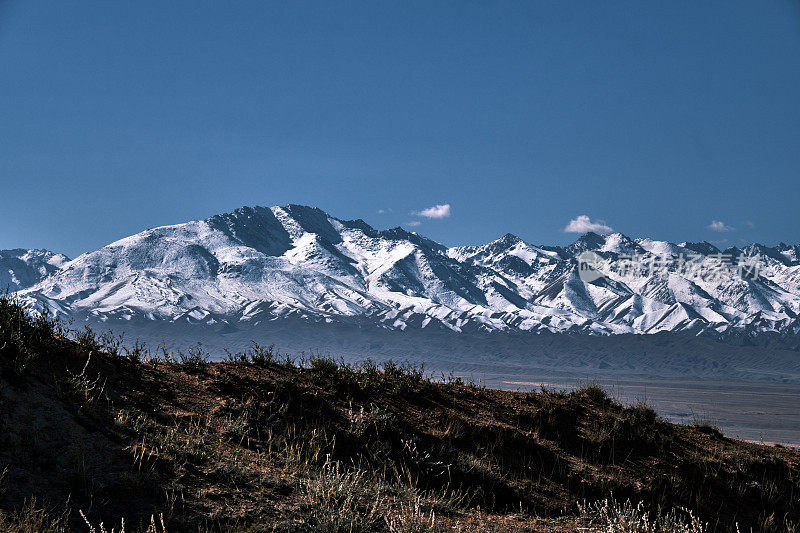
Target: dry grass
<point>616,517</point>
<point>33,519</point>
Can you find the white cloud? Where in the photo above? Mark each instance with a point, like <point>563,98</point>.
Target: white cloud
<point>437,211</point>
<point>583,224</point>
<point>413,223</point>
<point>381,211</point>
<point>720,226</point>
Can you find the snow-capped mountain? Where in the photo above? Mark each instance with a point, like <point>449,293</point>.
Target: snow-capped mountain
<point>20,269</point>
<point>261,264</point>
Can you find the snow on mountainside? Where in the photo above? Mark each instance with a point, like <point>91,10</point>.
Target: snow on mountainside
<point>20,269</point>
<point>260,264</point>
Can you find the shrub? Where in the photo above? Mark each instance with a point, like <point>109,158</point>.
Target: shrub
<point>260,355</point>
<point>24,335</point>
<point>194,360</point>
<point>595,392</point>
<point>256,354</point>
<point>323,368</point>
<point>137,352</point>
<point>110,343</point>
<point>404,378</point>
<point>86,339</point>
<point>707,426</point>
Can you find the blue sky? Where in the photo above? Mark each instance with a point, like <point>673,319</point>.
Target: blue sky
<point>656,118</point>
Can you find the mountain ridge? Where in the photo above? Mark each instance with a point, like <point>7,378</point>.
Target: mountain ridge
<point>266,263</point>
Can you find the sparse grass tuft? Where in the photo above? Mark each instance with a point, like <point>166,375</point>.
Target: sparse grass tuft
<point>412,518</point>
<point>626,517</point>
<point>84,389</point>
<point>175,445</point>
<point>617,435</point>
<point>32,519</point>
<point>341,501</point>
<point>156,525</point>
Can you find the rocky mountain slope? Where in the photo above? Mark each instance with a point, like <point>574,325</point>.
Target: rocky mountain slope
<point>20,268</point>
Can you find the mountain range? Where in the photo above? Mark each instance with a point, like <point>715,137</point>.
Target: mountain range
<point>257,265</point>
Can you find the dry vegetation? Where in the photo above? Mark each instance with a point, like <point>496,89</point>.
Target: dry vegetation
<point>92,434</point>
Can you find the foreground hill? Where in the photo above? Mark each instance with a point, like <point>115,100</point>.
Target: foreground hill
<point>257,265</point>
<point>265,443</point>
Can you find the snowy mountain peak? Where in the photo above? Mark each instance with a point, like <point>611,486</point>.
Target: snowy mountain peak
<point>703,248</point>
<point>587,241</point>
<point>621,244</point>
<point>509,239</point>
<point>616,243</point>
